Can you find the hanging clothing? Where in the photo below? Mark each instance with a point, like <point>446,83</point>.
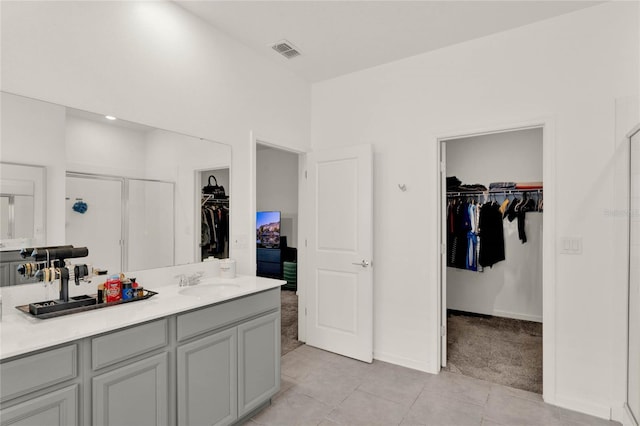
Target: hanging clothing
<point>472,251</point>
<point>492,235</point>
<point>215,229</point>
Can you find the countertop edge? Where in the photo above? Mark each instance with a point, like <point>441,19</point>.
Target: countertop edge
<point>21,334</point>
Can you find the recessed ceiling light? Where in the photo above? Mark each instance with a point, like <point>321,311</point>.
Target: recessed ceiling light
<point>109,117</point>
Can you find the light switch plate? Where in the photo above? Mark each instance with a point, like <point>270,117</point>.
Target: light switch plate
<point>571,245</point>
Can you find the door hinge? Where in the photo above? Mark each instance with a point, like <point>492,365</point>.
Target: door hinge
<point>443,248</point>
<point>305,174</point>
<point>305,312</point>
<point>443,330</point>
<point>305,242</point>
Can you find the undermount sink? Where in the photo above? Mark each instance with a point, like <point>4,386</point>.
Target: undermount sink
<point>204,290</point>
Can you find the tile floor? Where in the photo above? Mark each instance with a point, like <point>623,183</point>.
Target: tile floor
<point>322,388</point>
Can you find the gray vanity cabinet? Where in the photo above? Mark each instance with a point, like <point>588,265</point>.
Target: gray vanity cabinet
<point>258,361</point>
<point>57,408</point>
<point>214,365</point>
<point>229,363</point>
<point>130,385</point>
<point>41,388</point>
<point>207,380</point>
<point>135,394</point>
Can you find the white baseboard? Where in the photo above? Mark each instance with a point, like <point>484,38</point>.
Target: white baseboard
<point>586,407</point>
<point>499,313</point>
<point>405,362</point>
<point>515,315</point>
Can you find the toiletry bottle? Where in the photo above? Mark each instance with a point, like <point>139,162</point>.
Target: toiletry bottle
<point>100,293</point>
<point>127,290</point>
<point>113,288</point>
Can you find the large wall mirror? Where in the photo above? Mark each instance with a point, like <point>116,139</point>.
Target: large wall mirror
<point>132,194</point>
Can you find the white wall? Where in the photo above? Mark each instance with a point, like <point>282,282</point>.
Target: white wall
<point>33,133</point>
<point>163,67</point>
<point>511,288</point>
<point>569,69</point>
<point>94,147</point>
<point>277,188</point>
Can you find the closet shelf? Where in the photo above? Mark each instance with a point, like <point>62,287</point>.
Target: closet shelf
<point>209,199</point>
<point>501,192</point>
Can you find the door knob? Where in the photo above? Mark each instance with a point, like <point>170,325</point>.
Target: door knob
<point>364,263</point>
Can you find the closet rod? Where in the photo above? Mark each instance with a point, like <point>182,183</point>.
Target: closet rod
<point>502,192</point>
<point>209,199</point>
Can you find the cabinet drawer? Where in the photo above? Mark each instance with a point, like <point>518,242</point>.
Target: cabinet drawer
<point>59,408</point>
<point>38,371</point>
<point>208,319</point>
<point>120,345</point>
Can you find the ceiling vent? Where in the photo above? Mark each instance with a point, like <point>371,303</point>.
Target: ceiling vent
<point>286,49</point>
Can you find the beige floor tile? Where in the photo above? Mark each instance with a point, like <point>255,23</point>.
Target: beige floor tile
<point>583,419</point>
<point>439,409</point>
<point>459,387</point>
<point>362,408</point>
<point>513,410</point>
<point>402,389</point>
<point>321,388</point>
<point>293,409</point>
<point>327,386</point>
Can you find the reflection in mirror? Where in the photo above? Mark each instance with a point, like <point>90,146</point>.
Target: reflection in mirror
<point>129,222</point>
<point>137,190</point>
<point>21,205</point>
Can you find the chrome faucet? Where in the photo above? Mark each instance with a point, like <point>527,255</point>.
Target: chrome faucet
<point>189,280</point>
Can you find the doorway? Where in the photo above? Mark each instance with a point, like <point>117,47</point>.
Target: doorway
<point>492,304</point>
<point>213,213</point>
<point>277,200</point>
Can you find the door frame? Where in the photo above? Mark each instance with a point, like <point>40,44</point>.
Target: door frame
<point>628,415</point>
<point>438,303</point>
<point>302,221</point>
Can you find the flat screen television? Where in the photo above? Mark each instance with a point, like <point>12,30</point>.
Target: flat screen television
<point>268,229</point>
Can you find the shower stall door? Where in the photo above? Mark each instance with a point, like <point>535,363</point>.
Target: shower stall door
<point>633,379</point>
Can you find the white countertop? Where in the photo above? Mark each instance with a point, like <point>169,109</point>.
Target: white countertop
<point>21,333</point>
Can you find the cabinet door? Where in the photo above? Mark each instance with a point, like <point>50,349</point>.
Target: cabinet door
<point>56,408</point>
<point>207,380</point>
<point>136,394</point>
<point>259,361</point>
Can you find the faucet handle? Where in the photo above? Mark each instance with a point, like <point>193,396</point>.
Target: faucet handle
<point>181,279</point>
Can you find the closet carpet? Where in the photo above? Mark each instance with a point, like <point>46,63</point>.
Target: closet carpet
<point>289,321</point>
<point>499,350</point>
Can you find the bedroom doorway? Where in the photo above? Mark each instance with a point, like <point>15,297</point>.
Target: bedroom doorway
<point>277,175</point>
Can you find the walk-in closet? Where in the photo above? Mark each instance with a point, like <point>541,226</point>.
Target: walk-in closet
<point>492,286</point>
<point>214,214</point>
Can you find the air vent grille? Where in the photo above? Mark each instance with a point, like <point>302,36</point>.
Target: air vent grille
<point>286,49</point>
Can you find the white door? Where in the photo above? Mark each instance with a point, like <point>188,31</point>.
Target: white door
<point>340,248</point>
<point>99,228</point>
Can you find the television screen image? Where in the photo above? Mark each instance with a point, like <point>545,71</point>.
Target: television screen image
<point>268,229</point>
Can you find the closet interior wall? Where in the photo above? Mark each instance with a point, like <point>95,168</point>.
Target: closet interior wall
<point>511,288</point>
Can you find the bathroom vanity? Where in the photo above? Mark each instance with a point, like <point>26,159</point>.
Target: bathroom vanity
<point>206,354</point>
